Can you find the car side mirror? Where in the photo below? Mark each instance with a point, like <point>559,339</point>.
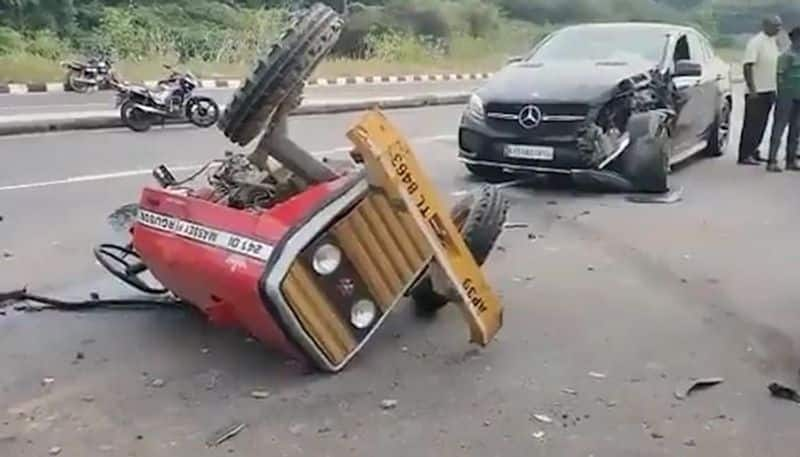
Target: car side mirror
<point>688,68</point>
<point>514,59</point>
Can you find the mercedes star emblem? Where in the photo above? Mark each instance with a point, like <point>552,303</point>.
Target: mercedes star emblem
<point>530,116</point>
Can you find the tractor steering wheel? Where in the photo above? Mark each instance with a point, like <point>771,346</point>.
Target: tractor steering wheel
<point>115,259</point>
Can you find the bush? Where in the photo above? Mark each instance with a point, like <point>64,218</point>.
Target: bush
<point>11,41</point>
<point>403,47</point>
<point>45,43</point>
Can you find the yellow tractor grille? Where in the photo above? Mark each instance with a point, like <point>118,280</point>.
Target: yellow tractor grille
<point>384,252</point>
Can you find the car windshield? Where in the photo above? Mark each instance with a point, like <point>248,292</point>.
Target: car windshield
<point>602,44</point>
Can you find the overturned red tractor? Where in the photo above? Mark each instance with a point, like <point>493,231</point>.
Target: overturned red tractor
<point>306,256</point>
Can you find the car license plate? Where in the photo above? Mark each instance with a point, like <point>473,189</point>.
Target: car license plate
<point>520,151</point>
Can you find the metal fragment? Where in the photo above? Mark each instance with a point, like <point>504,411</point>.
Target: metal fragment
<point>224,434</point>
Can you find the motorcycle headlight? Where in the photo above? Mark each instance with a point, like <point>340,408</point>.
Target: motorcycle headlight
<point>327,259</point>
<point>362,314</point>
<point>475,107</point>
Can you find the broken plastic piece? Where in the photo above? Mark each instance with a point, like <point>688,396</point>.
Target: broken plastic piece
<point>686,388</point>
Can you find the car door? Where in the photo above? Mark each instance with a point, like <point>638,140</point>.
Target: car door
<point>696,110</point>
<point>707,85</point>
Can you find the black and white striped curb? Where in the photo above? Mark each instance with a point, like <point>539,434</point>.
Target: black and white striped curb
<point>33,88</point>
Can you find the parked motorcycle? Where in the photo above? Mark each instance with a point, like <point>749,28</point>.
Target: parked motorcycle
<point>140,106</point>
<point>93,74</point>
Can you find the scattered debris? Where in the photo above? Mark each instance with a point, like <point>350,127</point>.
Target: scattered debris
<point>8,254</point>
<point>635,380</point>
<point>515,225</point>
<point>690,443</point>
<point>590,268</point>
<point>596,375</point>
<point>55,450</point>
<point>158,383</point>
<point>205,350</point>
<point>684,281</point>
<point>786,393</point>
<point>213,379</point>
<point>656,436</point>
<point>388,404</point>
<point>259,394</point>
<point>79,355</point>
<point>48,381</point>
<point>404,349</point>
<point>532,236</point>
<point>685,389</point>
<point>87,398</point>
<point>224,434</point>
<point>552,203</point>
<point>324,429</point>
<point>569,391</point>
<point>543,418</point>
<point>538,435</point>
<point>487,423</point>
<point>296,429</point>
<point>94,296</point>
<point>611,403</point>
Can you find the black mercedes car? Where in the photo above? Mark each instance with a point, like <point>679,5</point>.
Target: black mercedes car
<point>608,104</point>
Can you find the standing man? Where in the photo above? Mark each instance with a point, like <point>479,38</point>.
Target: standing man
<point>760,70</point>
<point>787,106</point>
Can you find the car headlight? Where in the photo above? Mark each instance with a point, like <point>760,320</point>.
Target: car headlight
<point>327,259</point>
<point>362,314</point>
<point>475,106</point>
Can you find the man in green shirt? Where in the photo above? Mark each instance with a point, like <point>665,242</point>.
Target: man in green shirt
<point>787,107</point>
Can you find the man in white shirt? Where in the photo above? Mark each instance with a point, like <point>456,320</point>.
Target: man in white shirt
<point>760,74</point>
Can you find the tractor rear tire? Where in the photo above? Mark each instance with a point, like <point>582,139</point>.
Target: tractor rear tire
<point>480,218</point>
<point>272,89</point>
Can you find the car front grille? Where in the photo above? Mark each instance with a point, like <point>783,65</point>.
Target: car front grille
<point>548,109</point>
<point>384,252</point>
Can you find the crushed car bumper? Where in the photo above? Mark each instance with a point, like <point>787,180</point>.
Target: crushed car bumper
<point>486,143</point>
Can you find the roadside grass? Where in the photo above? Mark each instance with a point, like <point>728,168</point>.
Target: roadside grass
<point>395,54</point>
<point>471,56</point>
<point>28,69</point>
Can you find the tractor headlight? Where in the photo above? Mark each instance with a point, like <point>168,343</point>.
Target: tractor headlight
<point>327,259</point>
<point>475,107</point>
<point>362,314</point>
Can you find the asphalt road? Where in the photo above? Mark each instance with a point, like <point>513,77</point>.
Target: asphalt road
<point>73,102</point>
<point>646,295</point>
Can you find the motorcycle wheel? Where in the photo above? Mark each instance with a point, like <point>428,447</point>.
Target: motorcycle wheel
<point>202,111</point>
<point>75,85</point>
<point>135,118</point>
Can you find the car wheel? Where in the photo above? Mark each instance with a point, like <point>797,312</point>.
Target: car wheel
<point>480,217</point>
<point>720,131</point>
<point>646,161</point>
<point>491,174</point>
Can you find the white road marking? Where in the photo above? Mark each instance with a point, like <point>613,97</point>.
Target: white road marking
<point>178,168</point>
